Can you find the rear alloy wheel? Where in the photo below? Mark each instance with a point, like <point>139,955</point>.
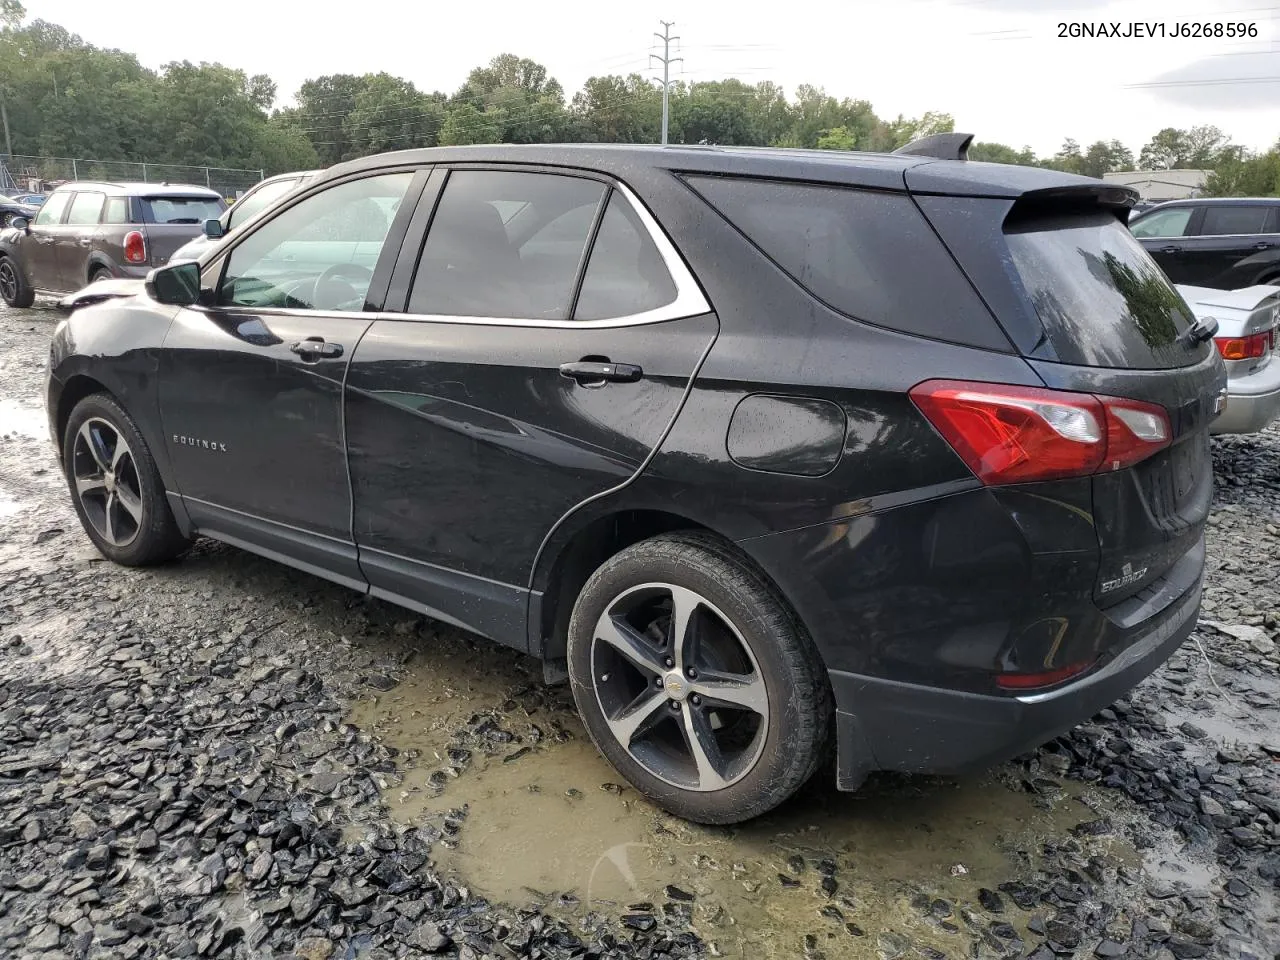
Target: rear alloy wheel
<point>695,681</point>
<point>115,487</point>
<point>13,285</point>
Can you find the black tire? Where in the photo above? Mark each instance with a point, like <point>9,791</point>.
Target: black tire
<point>99,274</point>
<point>791,742</point>
<point>14,289</point>
<point>145,538</point>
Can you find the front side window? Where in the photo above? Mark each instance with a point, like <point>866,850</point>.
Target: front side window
<point>320,253</point>
<point>474,264</point>
<point>51,210</point>
<point>1163,223</point>
<point>1232,220</point>
<point>259,200</point>
<point>86,209</point>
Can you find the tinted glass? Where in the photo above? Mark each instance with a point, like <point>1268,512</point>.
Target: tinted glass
<point>625,274</point>
<point>1102,299</point>
<point>1163,223</point>
<point>182,209</point>
<point>475,265</point>
<point>86,208</point>
<point>319,254</point>
<point>866,254</point>
<point>51,211</point>
<point>1226,220</point>
<point>259,200</point>
<point>117,210</point>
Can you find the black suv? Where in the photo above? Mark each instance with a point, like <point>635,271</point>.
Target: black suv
<point>755,447</point>
<point>1227,244</point>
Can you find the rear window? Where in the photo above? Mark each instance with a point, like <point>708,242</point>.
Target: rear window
<point>1102,300</point>
<point>870,255</point>
<point>181,209</point>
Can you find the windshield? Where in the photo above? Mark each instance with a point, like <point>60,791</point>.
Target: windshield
<point>182,209</point>
<point>1102,299</point>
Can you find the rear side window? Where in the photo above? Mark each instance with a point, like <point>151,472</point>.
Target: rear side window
<point>86,208</point>
<point>51,210</point>
<point>869,255</point>
<point>117,210</point>
<point>1228,220</point>
<point>475,265</point>
<point>1101,298</point>
<point>625,274</point>
<point>1163,223</point>
<point>181,209</point>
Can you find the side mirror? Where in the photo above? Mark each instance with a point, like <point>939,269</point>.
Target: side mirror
<point>213,228</point>
<point>20,223</point>
<point>177,284</point>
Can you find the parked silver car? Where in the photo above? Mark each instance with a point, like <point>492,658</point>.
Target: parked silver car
<point>261,196</point>
<point>1247,338</point>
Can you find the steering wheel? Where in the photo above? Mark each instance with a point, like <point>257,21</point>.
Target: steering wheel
<point>335,276</point>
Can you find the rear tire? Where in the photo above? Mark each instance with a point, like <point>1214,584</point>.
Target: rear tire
<point>115,486</point>
<point>717,722</point>
<point>99,274</point>
<point>14,289</point>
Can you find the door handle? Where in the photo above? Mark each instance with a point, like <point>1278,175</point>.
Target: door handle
<point>1170,249</point>
<point>600,372</point>
<point>1262,245</point>
<point>316,347</point>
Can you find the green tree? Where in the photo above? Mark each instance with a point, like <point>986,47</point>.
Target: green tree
<point>614,109</point>
<point>837,138</point>
<point>999,153</point>
<point>467,124</point>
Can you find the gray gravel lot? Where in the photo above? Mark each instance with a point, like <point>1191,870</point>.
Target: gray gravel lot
<point>227,758</point>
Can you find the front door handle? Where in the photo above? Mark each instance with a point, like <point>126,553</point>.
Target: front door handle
<point>316,347</point>
<point>1262,245</point>
<point>1170,249</point>
<point>599,372</point>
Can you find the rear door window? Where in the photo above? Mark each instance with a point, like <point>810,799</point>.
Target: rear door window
<point>1163,223</point>
<point>867,254</point>
<point>86,209</point>
<point>181,209</point>
<point>1234,220</point>
<point>1101,298</point>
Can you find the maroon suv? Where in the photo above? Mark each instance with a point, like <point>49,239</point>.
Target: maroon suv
<point>87,232</point>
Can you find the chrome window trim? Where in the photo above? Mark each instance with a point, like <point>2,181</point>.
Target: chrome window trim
<point>689,301</point>
<point>1211,236</point>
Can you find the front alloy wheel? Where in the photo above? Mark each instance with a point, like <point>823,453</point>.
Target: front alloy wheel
<point>106,482</point>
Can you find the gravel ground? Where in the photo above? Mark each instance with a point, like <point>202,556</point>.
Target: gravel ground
<point>180,776</point>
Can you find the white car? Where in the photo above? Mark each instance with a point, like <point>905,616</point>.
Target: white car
<point>1247,339</point>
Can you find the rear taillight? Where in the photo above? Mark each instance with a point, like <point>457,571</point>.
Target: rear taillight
<point>1245,348</point>
<point>1011,434</point>
<point>135,247</point>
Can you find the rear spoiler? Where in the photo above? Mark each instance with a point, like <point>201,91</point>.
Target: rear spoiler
<point>98,292</point>
<point>940,146</point>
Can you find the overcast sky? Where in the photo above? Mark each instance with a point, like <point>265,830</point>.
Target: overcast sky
<point>997,65</point>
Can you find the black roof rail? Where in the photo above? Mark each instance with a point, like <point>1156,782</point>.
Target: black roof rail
<point>943,146</point>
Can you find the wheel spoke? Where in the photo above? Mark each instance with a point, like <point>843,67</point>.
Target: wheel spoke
<point>734,690</point>
<point>94,445</point>
<point>131,503</point>
<point>639,716</point>
<point>701,740</point>
<point>625,639</point>
<point>119,454</point>
<point>90,485</point>
<point>109,519</point>
<point>683,636</point>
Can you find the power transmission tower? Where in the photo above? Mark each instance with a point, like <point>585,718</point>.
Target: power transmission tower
<point>666,60</point>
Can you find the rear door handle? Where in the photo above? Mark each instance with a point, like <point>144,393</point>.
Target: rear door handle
<point>600,372</point>
<point>1171,249</point>
<point>316,347</point>
<point>1262,245</point>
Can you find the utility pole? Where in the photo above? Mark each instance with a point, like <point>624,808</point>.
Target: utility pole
<point>666,60</point>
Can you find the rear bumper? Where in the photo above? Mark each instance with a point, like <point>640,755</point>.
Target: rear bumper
<point>887,725</point>
<point>1252,401</point>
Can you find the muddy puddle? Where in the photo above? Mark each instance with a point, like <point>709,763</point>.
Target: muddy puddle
<point>534,816</point>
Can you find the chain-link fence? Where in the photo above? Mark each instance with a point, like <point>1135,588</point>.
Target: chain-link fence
<point>39,173</point>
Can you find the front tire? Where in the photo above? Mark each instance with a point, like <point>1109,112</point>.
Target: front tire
<point>115,486</point>
<point>696,681</point>
<point>14,289</point>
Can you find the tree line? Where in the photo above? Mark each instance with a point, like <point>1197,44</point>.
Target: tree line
<point>67,98</point>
